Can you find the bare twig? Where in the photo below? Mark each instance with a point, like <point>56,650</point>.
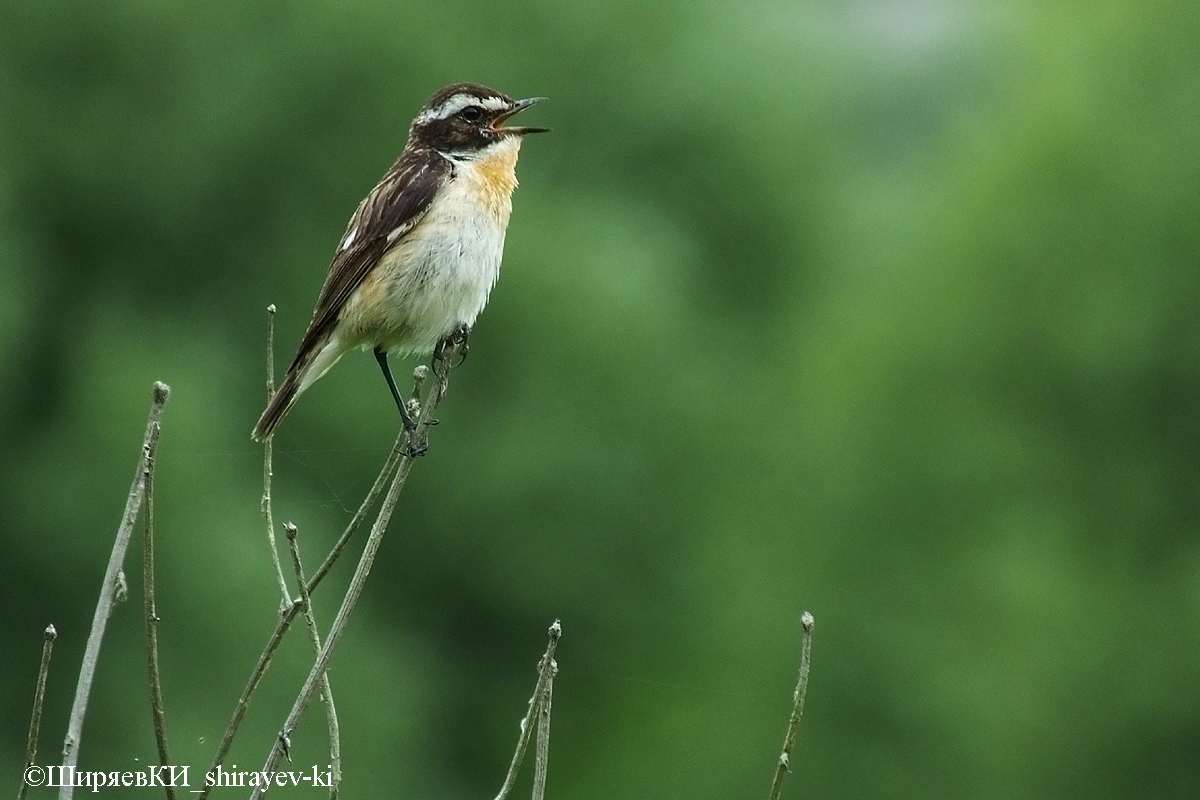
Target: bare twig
<point>541,755</point>
<point>256,676</point>
<point>546,670</point>
<point>782,768</point>
<point>310,620</point>
<point>288,614</point>
<point>108,589</point>
<point>358,581</point>
<point>268,450</point>
<point>35,720</point>
<point>151,615</point>
<point>270,351</point>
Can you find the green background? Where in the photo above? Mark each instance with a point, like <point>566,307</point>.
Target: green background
<point>884,309</point>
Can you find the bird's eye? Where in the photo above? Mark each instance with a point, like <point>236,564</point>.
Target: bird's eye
<point>472,113</point>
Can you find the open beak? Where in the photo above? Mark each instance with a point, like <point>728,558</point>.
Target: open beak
<point>519,106</point>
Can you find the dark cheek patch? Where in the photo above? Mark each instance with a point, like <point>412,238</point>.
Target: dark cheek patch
<point>456,134</point>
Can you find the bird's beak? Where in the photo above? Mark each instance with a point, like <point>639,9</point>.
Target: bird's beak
<point>518,106</point>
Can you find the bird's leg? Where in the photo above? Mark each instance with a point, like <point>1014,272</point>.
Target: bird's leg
<point>381,356</point>
<point>416,442</point>
<point>409,422</point>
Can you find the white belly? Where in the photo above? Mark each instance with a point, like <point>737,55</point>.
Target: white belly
<point>438,277</point>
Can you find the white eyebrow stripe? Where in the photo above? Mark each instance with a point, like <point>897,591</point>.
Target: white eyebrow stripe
<point>460,101</point>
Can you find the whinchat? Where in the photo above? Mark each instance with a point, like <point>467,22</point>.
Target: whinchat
<point>422,252</point>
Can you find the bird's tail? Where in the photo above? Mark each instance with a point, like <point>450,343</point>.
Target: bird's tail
<point>311,363</point>
<point>281,403</point>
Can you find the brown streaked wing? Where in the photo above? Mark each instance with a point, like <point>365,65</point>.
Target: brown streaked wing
<point>399,201</point>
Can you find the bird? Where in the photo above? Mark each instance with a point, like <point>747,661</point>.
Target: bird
<point>422,251</point>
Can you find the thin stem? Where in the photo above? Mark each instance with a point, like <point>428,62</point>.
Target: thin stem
<point>288,614</point>
<point>108,589</point>
<point>358,581</point>
<point>546,669</point>
<point>268,470</point>
<point>782,768</point>
<point>541,755</point>
<point>35,721</point>
<point>256,676</point>
<point>156,701</point>
<point>270,350</point>
<point>310,620</point>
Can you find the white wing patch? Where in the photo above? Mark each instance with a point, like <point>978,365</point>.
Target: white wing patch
<point>349,239</point>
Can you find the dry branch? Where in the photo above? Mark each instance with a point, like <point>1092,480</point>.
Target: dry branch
<point>413,444</point>
<point>268,471</point>
<point>109,589</point>
<point>151,618</point>
<point>35,719</point>
<point>541,695</point>
<point>314,636</point>
<point>541,755</point>
<point>789,741</point>
<point>288,614</point>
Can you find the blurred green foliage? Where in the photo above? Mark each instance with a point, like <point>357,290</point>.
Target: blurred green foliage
<point>884,309</point>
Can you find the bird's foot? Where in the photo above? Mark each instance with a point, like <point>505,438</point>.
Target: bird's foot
<point>459,339</point>
<point>418,444</point>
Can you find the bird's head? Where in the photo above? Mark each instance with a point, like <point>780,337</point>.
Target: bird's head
<point>466,117</point>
